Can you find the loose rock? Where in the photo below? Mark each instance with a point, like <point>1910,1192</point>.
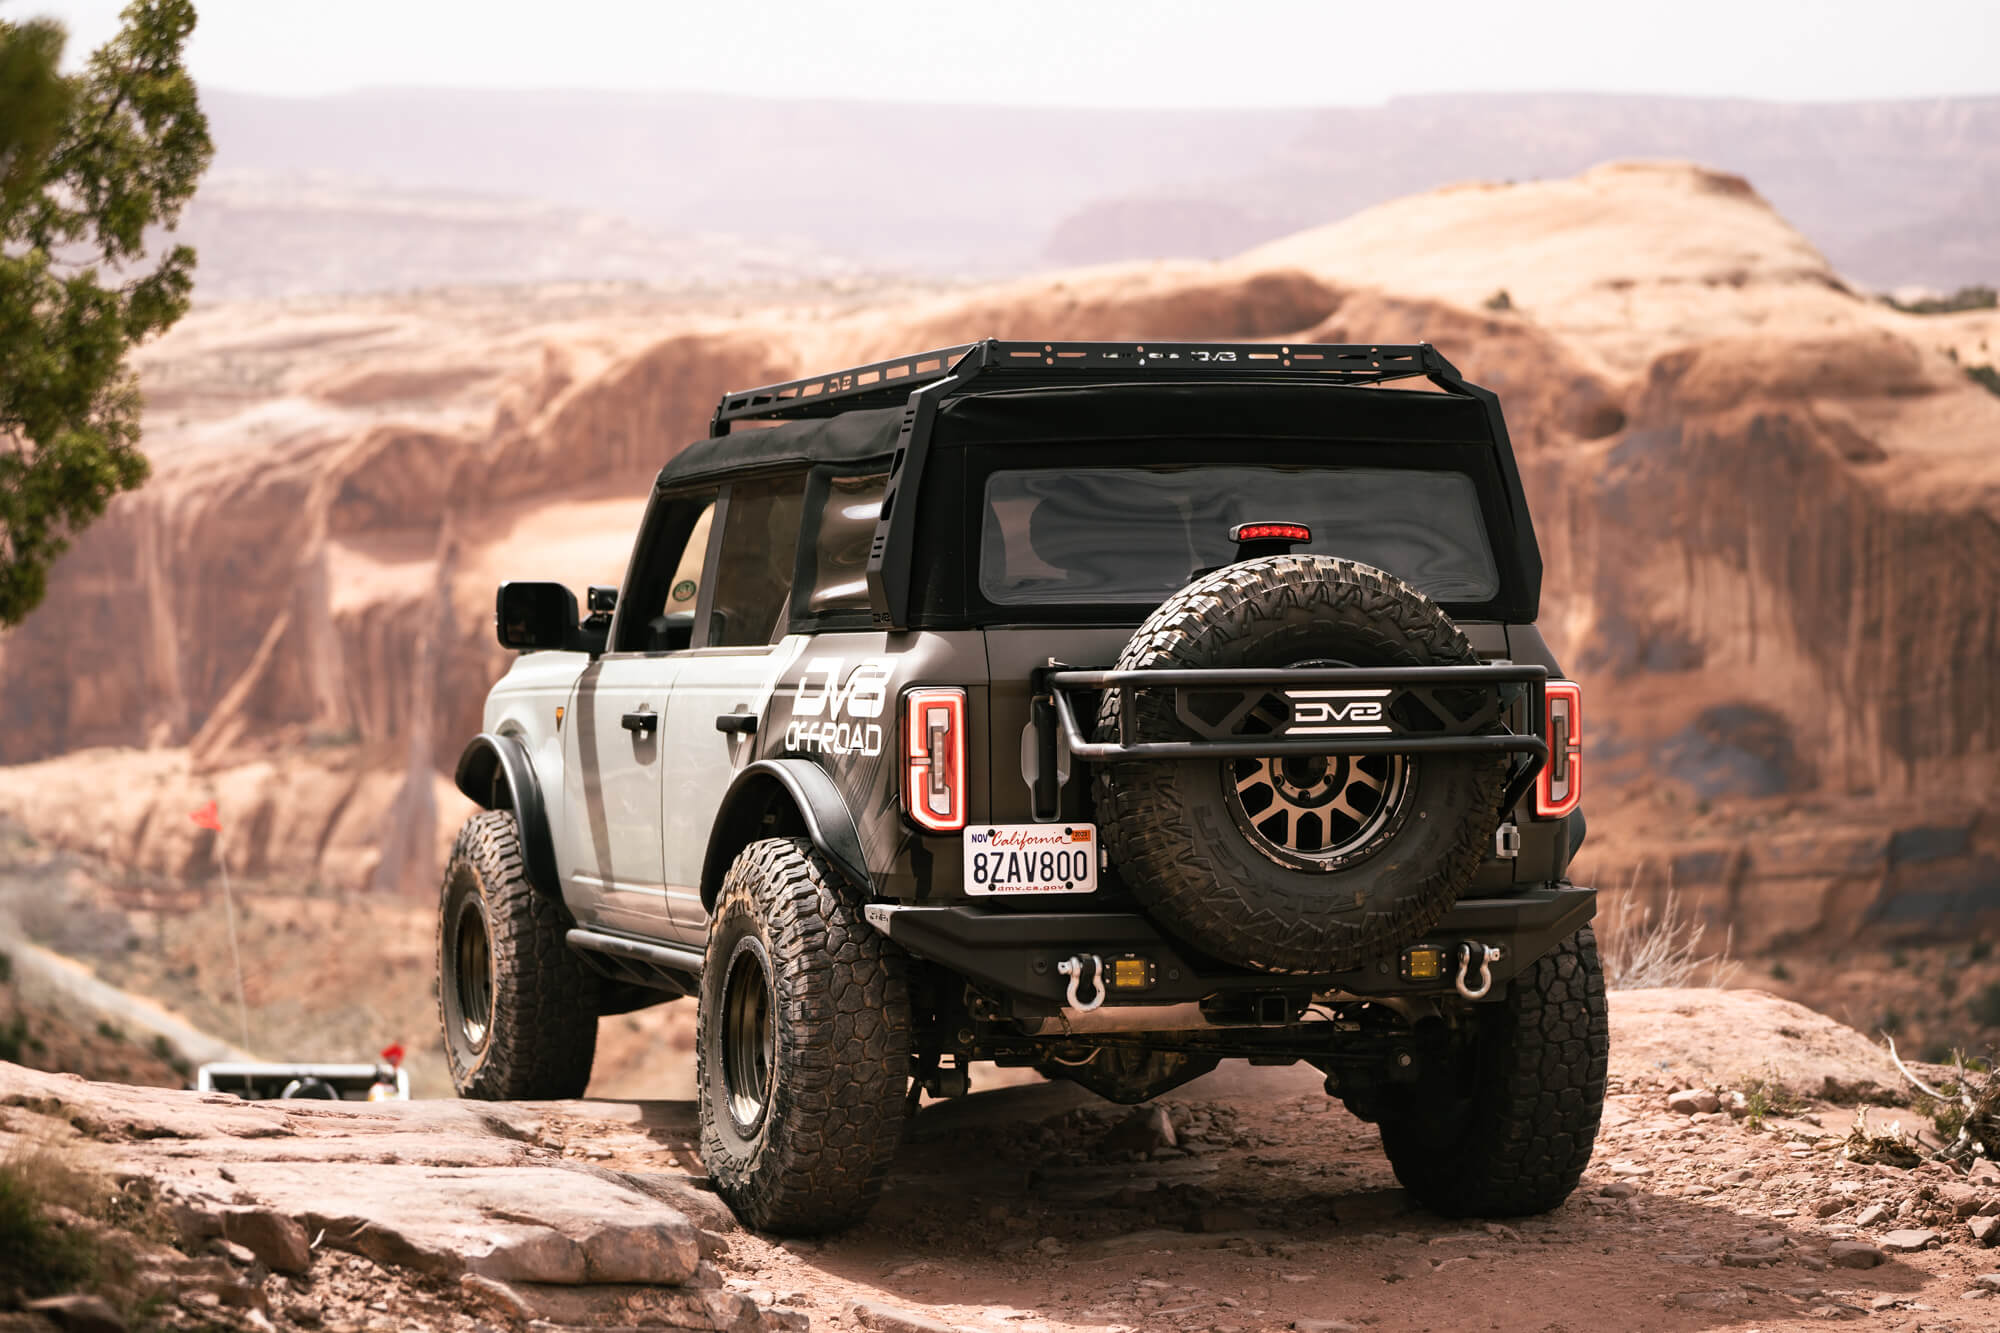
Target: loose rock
<point>1909,1241</point>
<point>1144,1130</point>
<point>886,1319</point>
<point>78,1313</point>
<point>1985,1230</point>
<point>1689,1101</point>
<point>1855,1254</point>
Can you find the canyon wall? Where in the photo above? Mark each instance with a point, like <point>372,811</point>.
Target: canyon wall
<point>1769,510</point>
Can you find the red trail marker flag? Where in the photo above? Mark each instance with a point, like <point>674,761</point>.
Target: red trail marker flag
<point>209,818</point>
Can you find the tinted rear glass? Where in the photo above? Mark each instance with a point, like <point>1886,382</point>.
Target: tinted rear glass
<point>1115,535</point>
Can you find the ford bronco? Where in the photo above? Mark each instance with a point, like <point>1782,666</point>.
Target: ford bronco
<point>1110,709</point>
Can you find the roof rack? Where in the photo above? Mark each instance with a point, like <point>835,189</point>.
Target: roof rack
<point>890,383</point>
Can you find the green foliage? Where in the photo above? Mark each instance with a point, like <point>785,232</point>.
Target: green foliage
<point>37,1257</point>
<point>1965,298</point>
<point>164,1052</point>
<point>88,162</point>
<point>1985,376</point>
<point>14,1038</point>
<point>1779,972</point>
<point>1985,1006</point>
<point>1766,1097</point>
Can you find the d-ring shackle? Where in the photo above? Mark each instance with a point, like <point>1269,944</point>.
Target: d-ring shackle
<point>1488,954</point>
<point>1073,969</point>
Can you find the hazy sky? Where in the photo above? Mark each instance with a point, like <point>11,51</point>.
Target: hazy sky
<point>1180,53</point>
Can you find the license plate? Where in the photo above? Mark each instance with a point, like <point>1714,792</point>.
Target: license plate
<point>1031,858</point>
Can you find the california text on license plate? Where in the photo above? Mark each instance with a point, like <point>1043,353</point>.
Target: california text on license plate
<point>1031,858</point>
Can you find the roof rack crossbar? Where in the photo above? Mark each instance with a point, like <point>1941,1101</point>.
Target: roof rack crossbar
<point>890,383</point>
<point>891,380</point>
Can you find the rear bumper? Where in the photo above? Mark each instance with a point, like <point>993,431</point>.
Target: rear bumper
<point>1016,954</point>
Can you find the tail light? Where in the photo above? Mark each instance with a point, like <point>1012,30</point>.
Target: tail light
<point>934,758</point>
<point>1560,785</point>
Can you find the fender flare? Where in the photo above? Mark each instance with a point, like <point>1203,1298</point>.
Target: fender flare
<point>823,810</point>
<point>487,762</point>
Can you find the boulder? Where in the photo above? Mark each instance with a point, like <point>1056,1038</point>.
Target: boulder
<point>1855,1254</point>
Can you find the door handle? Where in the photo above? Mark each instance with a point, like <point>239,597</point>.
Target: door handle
<point>641,722</point>
<point>737,724</point>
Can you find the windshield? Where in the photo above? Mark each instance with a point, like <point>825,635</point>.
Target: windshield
<point>1083,534</point>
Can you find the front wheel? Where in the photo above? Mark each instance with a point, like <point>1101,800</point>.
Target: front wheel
<point>1509,1128</point>
<point>519,1008</point>
<point>802,1047</point>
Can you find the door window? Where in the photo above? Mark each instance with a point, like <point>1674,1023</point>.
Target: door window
<point>656,609</point>
<point>752,577</point>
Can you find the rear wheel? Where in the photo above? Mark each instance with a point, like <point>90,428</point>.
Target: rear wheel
<point>1509,1128</point>
<point>802,1050</point>
<point>519,1008</point>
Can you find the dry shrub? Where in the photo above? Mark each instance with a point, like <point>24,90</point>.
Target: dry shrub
<point>1964,1109</point>
<point>1642,948</point>
<point>1884,1147</point>
<point>40,1255</point>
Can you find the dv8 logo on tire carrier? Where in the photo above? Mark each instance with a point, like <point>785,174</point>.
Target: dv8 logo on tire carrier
<point>1337,713</point>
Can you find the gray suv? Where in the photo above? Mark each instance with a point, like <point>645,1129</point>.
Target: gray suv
<point>1110,709</point>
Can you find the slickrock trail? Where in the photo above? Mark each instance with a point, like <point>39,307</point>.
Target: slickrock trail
<point>1040,1208</point>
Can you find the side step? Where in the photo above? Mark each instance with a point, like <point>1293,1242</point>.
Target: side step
<point>668,967</point>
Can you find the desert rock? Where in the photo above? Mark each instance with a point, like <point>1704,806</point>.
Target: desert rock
<point>1855,1254</point>
<point>1909,1240</point>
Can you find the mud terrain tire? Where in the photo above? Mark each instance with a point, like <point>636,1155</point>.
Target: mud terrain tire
<point>802,1046</point>
<point>1513,1136</point>
<point>1185,850</point>
<point>519,1008</point>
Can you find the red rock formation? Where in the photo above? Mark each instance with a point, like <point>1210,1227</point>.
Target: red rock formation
<point>1772,555</point>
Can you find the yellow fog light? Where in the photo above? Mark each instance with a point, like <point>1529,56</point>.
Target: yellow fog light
<point>1131,973</point>
<point>1423,963</point>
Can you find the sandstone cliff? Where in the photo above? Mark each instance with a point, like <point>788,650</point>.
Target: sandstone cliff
<point>1770,511</point>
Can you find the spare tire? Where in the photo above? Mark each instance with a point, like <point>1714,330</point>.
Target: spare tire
<point>1318,864</point>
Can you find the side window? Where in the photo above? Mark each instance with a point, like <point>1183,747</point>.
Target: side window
<point>759,550</point>
<point>685,585</point>
<point>656,612</point>
<point>840,547</point>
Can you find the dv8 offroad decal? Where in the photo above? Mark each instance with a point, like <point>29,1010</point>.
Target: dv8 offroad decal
<point>836,715</point>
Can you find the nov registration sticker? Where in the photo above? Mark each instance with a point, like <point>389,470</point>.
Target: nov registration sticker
<point>1031,858</point>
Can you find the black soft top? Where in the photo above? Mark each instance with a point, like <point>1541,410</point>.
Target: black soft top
<point>850,437</point>
<point>997,392</point>
<point>1178,411</point>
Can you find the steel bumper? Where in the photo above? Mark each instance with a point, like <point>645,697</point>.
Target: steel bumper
<point>1017,954</point>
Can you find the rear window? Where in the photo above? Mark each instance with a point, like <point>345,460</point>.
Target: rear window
<point>1112,535</point>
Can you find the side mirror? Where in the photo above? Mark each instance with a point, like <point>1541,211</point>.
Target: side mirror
<point>537,616</point>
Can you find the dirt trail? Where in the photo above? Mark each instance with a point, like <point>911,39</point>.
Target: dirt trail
<point>1038,1208</point>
